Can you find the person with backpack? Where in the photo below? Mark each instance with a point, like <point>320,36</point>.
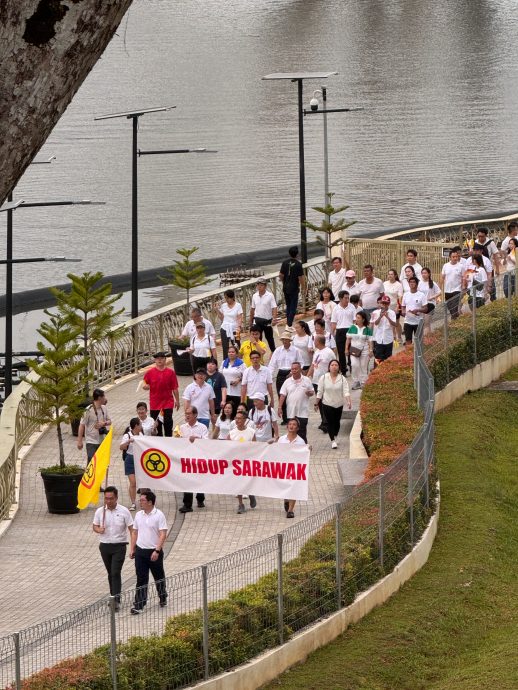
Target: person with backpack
<point>265,420</point>
<point>293,280</point>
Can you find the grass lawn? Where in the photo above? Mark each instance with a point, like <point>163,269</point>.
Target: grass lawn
<point>454,626</point>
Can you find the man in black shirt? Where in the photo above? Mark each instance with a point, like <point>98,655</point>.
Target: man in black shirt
<point>292,275</point>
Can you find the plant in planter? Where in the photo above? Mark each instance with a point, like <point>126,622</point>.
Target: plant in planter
<point>89,308</point>
<point>60,387</point>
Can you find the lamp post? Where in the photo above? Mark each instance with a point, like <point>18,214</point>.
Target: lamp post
<point>134,115</point>
<point>9,208</point>
<point>299,78</point>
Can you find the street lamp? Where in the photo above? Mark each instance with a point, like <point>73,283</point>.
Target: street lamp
<point>9,208</point>
<point>299,78</point>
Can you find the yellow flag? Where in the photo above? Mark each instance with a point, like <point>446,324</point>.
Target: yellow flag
<point>88,491</point>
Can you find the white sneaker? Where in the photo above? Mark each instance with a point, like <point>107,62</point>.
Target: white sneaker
<point>356,386</point>
<point>133,507</point>
<point>334,444</point>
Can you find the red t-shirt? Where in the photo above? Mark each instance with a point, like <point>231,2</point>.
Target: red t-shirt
<point>161,387</point>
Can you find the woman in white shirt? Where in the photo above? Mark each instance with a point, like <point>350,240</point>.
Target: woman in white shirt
<point>327,304</point>
<point>432,291</point>
<point>414,306</point>
<point>393,289</point>
<point>231,314</point>
<point>359,346</point>
<point>333,391</point>
<point>476,277</point>
<point>302,340</point>
<point>232,369</point>
<point>294,439</point>
<point>409,273</point>
<point>202,348</point>
<point>126,445</point>
<point>242,408</point>
<point>223,422</point>
<point>508,258</point>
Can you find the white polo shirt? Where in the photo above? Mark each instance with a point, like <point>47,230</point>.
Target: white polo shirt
<point>257,380</point>
<point>190,329</point>
<point>353,289</point>
<point>335,280</point>
<point>263,305</point>
<point>321,359</point>
<point>199,396</point>
<point>413,300</point>
<point>149,526</point>
<point>297,402</point>
<point>343,316</point>
<point>283,358</point>
<point>383,332</point>
<point>198,430</point>
<point>452,274</point>
<point>369,292</point>
<point>116,523</point>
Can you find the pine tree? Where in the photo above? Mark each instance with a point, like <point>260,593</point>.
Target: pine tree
<point>62,375</point>
<point>328,226</point>
<point>187,274</point>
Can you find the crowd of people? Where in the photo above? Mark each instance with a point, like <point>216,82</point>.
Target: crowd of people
<point>260,386</point>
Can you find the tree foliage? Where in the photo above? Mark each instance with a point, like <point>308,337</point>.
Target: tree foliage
<point>330,226</point>
<point>187,274</point>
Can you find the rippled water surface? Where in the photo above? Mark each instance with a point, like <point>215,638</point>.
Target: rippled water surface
<point>436,139</point>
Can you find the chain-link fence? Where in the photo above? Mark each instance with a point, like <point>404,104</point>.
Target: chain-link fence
<point>227,611</point>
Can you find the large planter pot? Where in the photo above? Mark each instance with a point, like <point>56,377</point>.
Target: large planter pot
<point>181,363</point>
<point>61,492</point>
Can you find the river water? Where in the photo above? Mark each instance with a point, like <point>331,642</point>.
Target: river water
<point>436,139</point>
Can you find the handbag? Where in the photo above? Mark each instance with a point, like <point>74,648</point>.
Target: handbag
<point>355,351</point>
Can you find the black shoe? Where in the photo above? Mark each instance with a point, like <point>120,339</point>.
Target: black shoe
<point>163,602</point>
<point>185,509</point>
<point>283,423</point>
<point>135,611</point>
<point>286,506</point>
<point>201,504</point>
<point>290,514</point>
<point>117,606</point>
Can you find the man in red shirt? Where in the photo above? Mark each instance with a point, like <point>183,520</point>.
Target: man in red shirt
<point>163,393</point>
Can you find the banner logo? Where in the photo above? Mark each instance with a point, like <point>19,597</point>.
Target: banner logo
<point>155,463</point>
<point>88,477</point>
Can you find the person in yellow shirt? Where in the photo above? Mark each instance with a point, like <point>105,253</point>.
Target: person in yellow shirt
<point>252,344</point>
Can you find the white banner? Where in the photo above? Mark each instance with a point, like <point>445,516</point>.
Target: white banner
<point>279,470</point>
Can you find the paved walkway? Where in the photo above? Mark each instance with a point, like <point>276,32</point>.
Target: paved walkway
<point>50,564</point>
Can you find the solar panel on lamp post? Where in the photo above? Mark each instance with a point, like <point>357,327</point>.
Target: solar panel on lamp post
<point>299,78</point>
<point>134,115</point>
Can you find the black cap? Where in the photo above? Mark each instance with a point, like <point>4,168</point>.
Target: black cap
<point>160,354</point>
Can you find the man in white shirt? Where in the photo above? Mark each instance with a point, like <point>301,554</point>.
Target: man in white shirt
<point>265,419</point>
<point>243,433</point>
<point>512,232</point>
<point>280,364</point>
<point>189,330</point>
<point>337,276</point>
<point>350,285</point>
<point>341,320</point>
<point>451,282</point>
<point>320,365</point>
<point>263,312</point>
<point>192,429</point>
<point>113,524</point>
<point>295,393</point>
<point>256,379</point>
<point>411,260</point>
<point>370,289</point>
<point>414,306</point>
<point>201,394</point>
<point>384,322</point>
<point>147,541</point>
<point>488,249</point>
<point>94,425</point>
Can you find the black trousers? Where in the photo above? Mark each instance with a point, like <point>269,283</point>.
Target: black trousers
<point>409,329</point>
<point>453,302</point>
<point>113,556</point>
<point>143,566</point>
<point>187,499</point>
<point>226,341</point>
<point>291,300</point>
<point>303,428</point>
<point>265,325</point>
<point>341,338</point>
<point>282,375</point>
<point>333,416</point>
<point>323,421</point>
<point>383,352</point>
<point>167,426</point>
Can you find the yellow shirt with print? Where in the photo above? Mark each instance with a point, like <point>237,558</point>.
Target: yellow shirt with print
<point>246,349</point>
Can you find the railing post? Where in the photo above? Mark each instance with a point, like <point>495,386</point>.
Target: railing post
<point>411,498</point>
<point>17,661</point>
<point>161,332</point>
<point>205,609</point>
<point>113,643</point>
<point>381,519</point>
<point>446,342</point>
<point>474,323</point>
<point>112,359</point>
<point>426,457</point>
<point>134,332</point>
<point>280,597</point>
<point>338,555</point>
<point>510,278</point>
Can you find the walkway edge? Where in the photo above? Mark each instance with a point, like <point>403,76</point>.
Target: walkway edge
<point>270,665</point>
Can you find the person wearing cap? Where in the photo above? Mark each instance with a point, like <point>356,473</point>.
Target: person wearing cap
<point>253,343</point>
<point>256,379</point>
<point>200,394</point>
<point>350,285</point>
<point>341,320</point>
<point>94,425</point>
<point>336,278</point>
<point>263,312</point>
<point>162,384</point>
<point>292,277</point>
<point>383,321</point>
<point>264,419</point>
<point>196,317</point>
<point>280,364</point>
<point>202,348</point>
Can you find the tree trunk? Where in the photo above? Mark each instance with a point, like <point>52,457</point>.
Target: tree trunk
<point>47,48</point>
<point>60,444</point>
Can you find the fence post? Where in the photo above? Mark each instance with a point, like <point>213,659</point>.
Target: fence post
<point>161,332</point>
<point>112,360</point>
<point>426,457</point>
<point>338,556</point>
<point>381,519</point>
<point>446,342</point>
<point>510,278</point>
<point>474,323</point>
<point>113,643</point>
<point>280,598</point>
<point>205,609</point>
<point>411,497</point>
<point>17,661</point>
<point>134,332</point>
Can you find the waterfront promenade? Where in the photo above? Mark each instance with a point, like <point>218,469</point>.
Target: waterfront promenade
<point>50,564</point>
